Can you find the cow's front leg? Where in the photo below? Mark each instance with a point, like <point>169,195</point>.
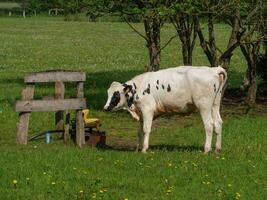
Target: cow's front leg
<point>140,137</point>
<point>147,123</point>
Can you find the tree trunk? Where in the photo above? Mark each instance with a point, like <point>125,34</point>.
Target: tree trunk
<point>152,28</point>
<point>250,51</point>
<point>154,57</point>
<point>186,28</point>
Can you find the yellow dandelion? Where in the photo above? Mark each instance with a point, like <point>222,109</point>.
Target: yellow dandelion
<point>223,158</point>
<point>237,195</point>
<point>229,185</point>
<point>81,191</point>
<point>101,191</point>
<point>105,190</point>
<point>35,146</point>
<point>208,183</point>
<point>15,182</point>
<point>125,199</point>
<point>27,179</point>
<point>44,173</point>
<point>169,191</point>
<point>186,161</point>
<point>53,183</point>
<point>169,164</point>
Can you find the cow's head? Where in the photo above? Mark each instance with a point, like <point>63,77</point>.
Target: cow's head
<point>116,96</point>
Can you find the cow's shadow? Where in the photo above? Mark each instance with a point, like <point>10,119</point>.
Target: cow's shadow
<point>158,147</point>
<point>173,147</point>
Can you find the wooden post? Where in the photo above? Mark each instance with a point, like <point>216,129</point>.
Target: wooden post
<point>67,127</point>
<point>23,122</point>
<point>59,94</point>
<point>80,136</point>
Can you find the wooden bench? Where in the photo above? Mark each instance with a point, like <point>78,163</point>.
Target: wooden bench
<point>57,104</point>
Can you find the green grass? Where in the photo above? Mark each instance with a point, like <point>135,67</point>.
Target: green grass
<point>175,166</point>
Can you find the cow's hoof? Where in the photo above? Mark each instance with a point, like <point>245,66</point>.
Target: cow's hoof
<point>143,151</point>
<point>218,150</point>
<point>207,151</point>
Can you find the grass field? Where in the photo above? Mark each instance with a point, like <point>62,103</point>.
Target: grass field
<point>175,166</point>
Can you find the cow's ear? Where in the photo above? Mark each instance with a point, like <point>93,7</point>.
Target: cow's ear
<point>127,88</point>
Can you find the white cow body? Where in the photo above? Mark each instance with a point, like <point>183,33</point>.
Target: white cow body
<point>179,89</point>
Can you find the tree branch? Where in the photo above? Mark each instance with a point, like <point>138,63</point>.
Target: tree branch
<point>135,30</point>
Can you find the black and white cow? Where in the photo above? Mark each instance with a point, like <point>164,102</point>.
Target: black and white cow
<point>176,89</point>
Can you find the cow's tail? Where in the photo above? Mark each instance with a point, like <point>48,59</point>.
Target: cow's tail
<point>222,76</point>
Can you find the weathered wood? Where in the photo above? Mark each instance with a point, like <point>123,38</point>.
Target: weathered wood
<point>80,93</point>
<point>23,121</point>
<point>67,127</point>
<point>55,76</point>
<point>59,94</point>
<point>80,137</point>
<point>50,105</point>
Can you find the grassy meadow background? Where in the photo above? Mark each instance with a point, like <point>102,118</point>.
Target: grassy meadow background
<point>175,166</point>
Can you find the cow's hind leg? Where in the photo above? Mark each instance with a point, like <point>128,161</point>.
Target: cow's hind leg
<point>147,123</point>
<point>140,137</point>
<point>217,126</point>
<point>208,125</point>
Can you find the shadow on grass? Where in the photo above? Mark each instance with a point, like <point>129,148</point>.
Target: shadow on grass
<point>172,147</point>
<point>159,147</point>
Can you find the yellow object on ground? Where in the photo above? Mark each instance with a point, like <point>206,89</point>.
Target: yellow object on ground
<point>90,122</point>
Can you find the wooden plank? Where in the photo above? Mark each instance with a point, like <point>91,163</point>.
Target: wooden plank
<point>50,105</point>
<point>55,76</point>
<point>59,94</point>
<point>23,121</point>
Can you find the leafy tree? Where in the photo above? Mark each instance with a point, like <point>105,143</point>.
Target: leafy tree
<point>254,24</point>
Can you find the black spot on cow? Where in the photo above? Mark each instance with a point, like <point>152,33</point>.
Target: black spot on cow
<point>157,87</point>
<point>148,85</point>
<point>134,86</point>
<point>146,91</point>
<point>157,81</point>
<point>169,88</point>
<point>162,87</point>
<point>115,99</point>
<point>137,97</point>
<point>130,101</point>
<point>214,88</point>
